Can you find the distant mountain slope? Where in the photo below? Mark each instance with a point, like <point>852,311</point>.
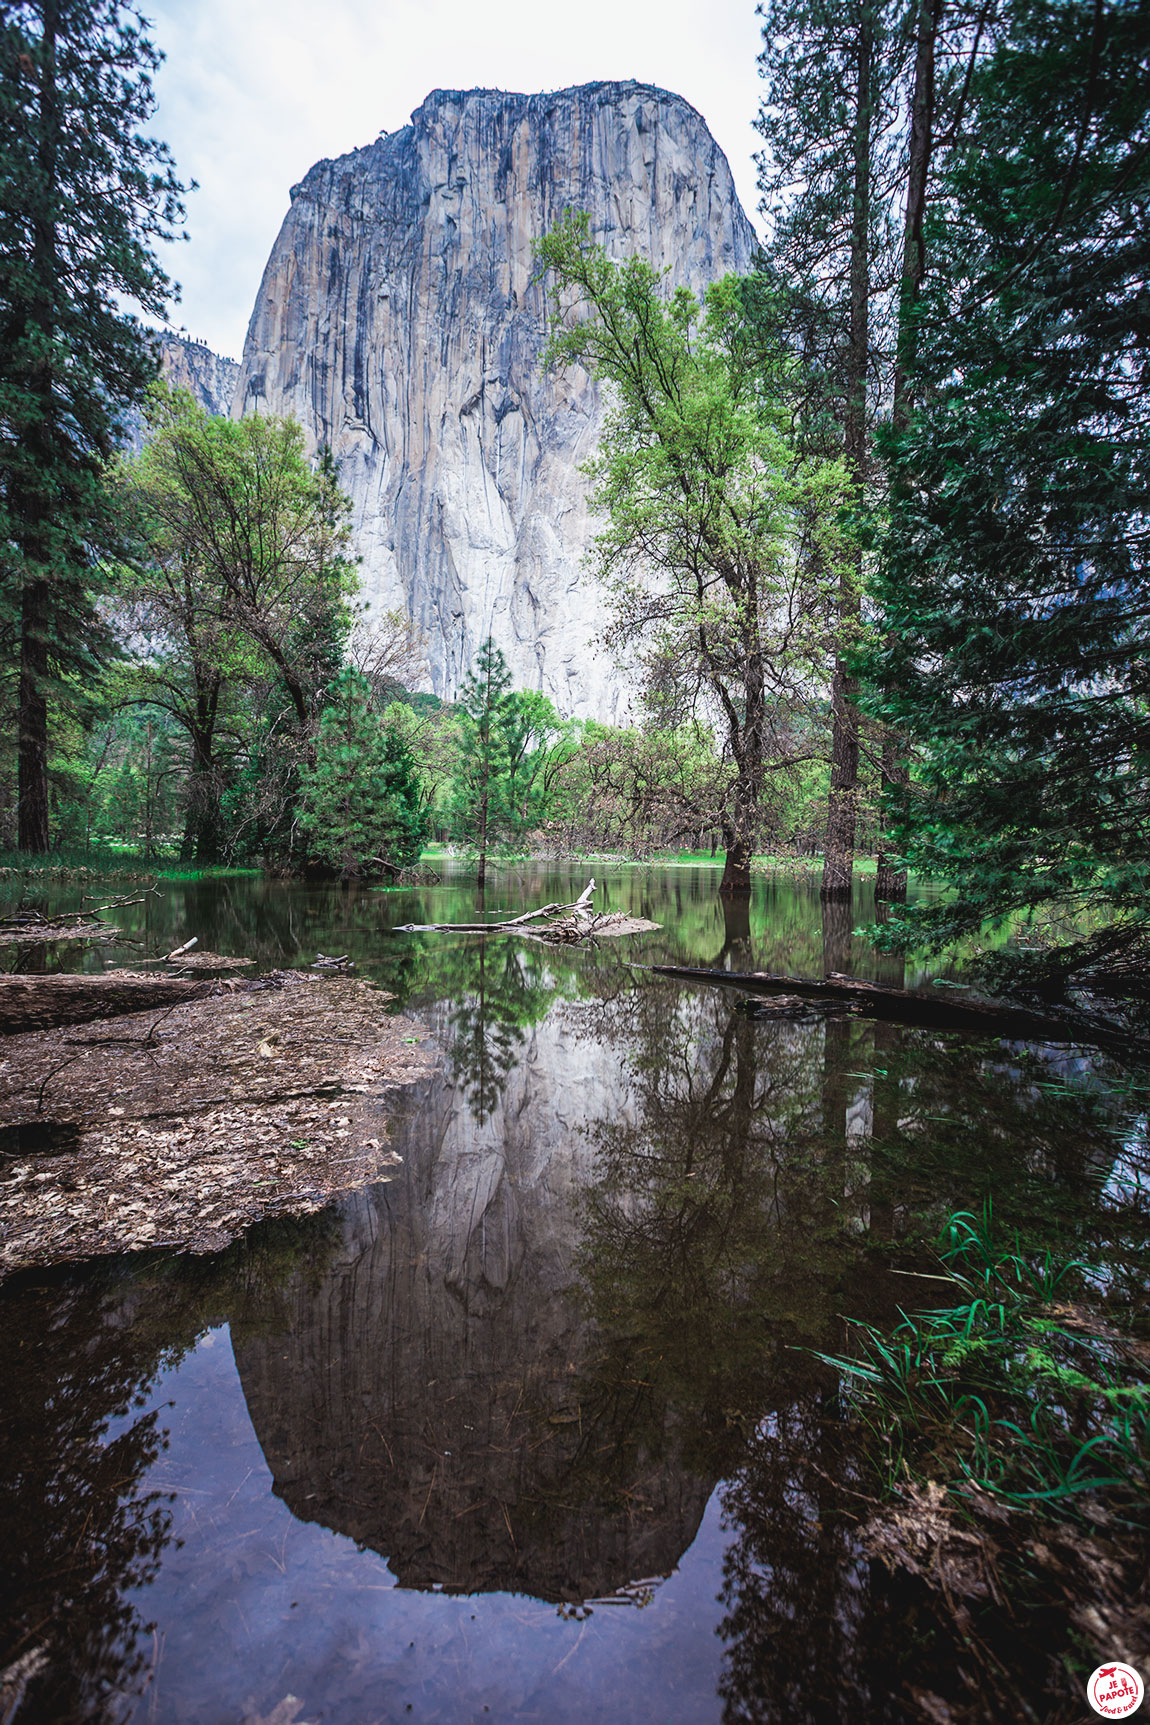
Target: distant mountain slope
<point>187,364</point>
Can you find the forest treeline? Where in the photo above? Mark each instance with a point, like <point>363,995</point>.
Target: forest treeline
<point>873,516</point>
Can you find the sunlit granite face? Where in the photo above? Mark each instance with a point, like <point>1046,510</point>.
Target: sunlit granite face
<point>401,320</point>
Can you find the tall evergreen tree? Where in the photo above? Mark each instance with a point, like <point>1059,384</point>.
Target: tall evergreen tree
<point>483,702</point>
<point>83,194</point>
<point>860,95</point>
<point>359,802</point>
<point>1014,589</point>
<point>828,174</point>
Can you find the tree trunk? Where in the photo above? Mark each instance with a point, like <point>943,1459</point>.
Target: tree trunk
<point>905,1006</point>
<point>202,823</point>
<point>918,173</point>
<point>890,883</point>
<point>38,1003</point>
<point>29,512</point>
<point>842,811</point>
<point>737,867</point>
<point>33,834</point>
<point>838,927</point>
<point>481,874</point>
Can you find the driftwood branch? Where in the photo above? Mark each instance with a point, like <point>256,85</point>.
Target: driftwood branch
<point>583,902</point>
<point>903,1005</point>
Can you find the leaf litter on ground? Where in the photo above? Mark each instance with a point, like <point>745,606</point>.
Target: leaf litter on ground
<point>181,1126</point>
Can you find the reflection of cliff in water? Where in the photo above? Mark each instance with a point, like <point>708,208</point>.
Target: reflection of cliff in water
<point>429,1398</point>
<point>709,1180</point>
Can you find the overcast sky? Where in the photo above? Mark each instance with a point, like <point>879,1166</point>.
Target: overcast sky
<point>255,91</point>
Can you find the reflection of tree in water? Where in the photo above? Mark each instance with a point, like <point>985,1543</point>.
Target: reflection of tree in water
<point>80,1529</point>
<point>499,993</point>
<point>713,1239</point>
<point>726,1229</point>
<point>811,1636</point>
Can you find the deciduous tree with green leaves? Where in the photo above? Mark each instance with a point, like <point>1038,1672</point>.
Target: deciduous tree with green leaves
<point>723,552</point>
<point>237,601</point>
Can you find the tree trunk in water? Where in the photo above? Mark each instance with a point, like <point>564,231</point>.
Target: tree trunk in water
<point>842,811</point>
<point>33,832</point>
<point>890,882</point>
<point>736,932</point>
<point>885,1109</point>
<point>481,875</point>
<point>838,926</point>
<point>838,857</point>
<point>737,868</point>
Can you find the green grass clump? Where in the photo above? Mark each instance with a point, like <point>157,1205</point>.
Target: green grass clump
<point>1012,1389</point>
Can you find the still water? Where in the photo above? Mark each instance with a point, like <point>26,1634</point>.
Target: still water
<point>536,1429</point>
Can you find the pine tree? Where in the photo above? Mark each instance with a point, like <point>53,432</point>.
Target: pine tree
<point>828,174</point>
<point>1014,589</point>
<point>82,196</point>
<point>360,802</point>
<point>476,802</point>
<point>862,98</point>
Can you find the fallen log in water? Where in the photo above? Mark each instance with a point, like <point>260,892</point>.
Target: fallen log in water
<point>40,1002</point>
<point>583,902</point>
<point>904,1006</point>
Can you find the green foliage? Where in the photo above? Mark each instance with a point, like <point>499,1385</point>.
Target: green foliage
<point>359,802</point>
<point>1011,596</point>
<point>500,993</point>
<point>476,807</point>
<point>832,130</point>
<point>511,753</point>
<point>235,613</point>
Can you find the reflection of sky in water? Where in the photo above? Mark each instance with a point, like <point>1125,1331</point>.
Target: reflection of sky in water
<point>255,1606</point>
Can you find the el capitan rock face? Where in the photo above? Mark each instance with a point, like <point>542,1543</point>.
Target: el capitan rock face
<point>400,320</point>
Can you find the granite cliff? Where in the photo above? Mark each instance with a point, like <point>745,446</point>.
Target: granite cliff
<point>399,319</point>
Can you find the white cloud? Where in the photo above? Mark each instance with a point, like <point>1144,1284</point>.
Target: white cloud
<point>255,91</point>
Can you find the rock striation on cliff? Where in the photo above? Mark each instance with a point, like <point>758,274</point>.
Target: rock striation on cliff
<point>401,321</point>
